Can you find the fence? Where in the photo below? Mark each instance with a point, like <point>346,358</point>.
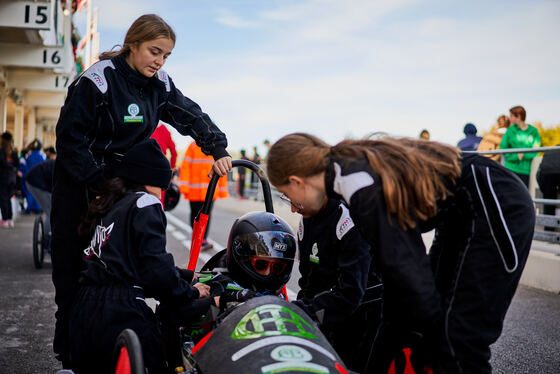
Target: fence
<point>542,219</point>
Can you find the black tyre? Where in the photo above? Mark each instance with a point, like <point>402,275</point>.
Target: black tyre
<point>38,241</point>
<point>128,345</point>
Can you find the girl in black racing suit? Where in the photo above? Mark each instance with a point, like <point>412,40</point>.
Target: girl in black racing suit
<point>115,104</point>
<point>441,310</point>
<point>126,262</point>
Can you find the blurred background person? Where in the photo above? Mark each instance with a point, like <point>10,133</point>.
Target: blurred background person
<point>39,183</point>
<point>241,177</point>
<point>9,163</point>
<point>548,178</point>
<point>267,146</point>
<point>491,141</point>
<point>471,140</point>
<point>424,134</point>
<point>50,153</point>
<point>34,157</point>
<point>520,135</point>
<point>257,160</point>
<point>193,184</point>
<point>163,138</point>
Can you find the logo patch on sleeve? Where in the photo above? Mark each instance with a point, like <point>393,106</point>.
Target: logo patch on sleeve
<point>96,73</point>
<point>300,230</point>
<point>344,224</point>
<point>162,75</point>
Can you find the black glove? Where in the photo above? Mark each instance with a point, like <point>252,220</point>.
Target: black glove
<point>238,296</point>
<point>218,284</point>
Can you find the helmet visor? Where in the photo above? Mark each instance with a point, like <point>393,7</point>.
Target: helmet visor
<point>275,244</point>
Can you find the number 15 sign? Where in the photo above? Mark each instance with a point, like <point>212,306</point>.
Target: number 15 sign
<point>26,14</point>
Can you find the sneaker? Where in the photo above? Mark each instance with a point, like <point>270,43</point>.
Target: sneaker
<point>5,224</point>
<point>206,245</point>
<point>10,223</point>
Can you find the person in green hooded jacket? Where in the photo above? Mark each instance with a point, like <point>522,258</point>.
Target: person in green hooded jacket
<point>520,135</point>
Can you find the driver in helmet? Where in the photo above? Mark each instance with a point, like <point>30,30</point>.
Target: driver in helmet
<point>260,252</point>
<point>258,259</point>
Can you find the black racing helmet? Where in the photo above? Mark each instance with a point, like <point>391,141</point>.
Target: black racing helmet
<point>172,197</point>
<point>260,251</point>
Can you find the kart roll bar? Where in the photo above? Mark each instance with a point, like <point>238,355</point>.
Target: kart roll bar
<point>201,219</point>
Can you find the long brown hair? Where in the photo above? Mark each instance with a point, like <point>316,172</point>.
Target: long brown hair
<point>144,28</point>
<point>111,192</point>
<point>414,173</point>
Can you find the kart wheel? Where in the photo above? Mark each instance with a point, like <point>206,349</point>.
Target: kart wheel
<point>38,240</point>
<point>127,354</point>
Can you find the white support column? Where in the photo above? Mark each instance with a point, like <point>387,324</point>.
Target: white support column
<point>3,108</point>
<point>32,125</point>
<point>95,38</point>
<point>40,134</point>
<point>18,126</point>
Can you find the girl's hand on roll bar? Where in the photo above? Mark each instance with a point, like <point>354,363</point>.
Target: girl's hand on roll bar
<point>221,166</point>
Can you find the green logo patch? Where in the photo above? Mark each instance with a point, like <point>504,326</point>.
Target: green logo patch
<point>133,110</point>
<point>272,320</point>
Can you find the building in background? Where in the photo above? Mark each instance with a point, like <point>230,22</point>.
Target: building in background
<point>37,64</point>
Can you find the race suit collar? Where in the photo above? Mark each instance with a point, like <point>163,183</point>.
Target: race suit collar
<point>129,73</point>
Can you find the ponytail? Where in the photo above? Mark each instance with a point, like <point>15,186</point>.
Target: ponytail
<point>415,174</point>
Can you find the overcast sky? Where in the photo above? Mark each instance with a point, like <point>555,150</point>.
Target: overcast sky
<point>347,68</point>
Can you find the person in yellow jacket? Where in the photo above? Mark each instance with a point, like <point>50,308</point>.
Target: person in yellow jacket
<point>491,141</point>
<point>193,183</point>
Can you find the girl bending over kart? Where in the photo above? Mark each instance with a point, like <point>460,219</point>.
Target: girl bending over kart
<point>443,310</point>
<point>127,262</point>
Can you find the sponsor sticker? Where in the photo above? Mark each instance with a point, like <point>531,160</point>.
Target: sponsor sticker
<point>278,246</point>
<point>97,78</point>
<point>290,353</point>
<point>133,110</point>
<point>314,256</point>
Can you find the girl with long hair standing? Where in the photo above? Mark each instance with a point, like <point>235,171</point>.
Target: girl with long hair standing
<point>115,104</point>
<point>441,311</point>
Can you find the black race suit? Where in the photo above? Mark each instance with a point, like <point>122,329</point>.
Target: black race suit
<point>109,108</point>
<point>453,301</point>
<point>126,262</point>
<point>335,274</point>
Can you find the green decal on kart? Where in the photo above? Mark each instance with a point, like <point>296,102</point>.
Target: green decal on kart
<point>272,320</point>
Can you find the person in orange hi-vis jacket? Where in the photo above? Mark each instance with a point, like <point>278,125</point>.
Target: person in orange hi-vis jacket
<point>193,183</point>
<point>163,138</point>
